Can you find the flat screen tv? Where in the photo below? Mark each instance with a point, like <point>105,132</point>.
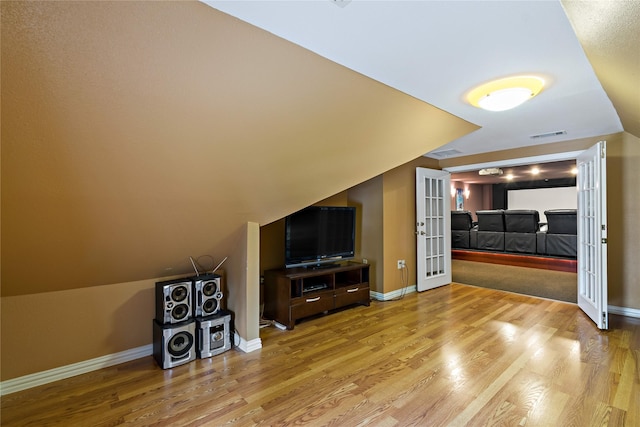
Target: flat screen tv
<point>319,236</point>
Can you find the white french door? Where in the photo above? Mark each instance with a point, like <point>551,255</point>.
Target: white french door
<point>592,234</point>
<point>433,228</point>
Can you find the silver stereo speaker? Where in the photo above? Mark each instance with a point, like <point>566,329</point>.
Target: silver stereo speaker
<point>174,344</point>
<point>207,295</point>
<point>173,301</point>
<point>214,335</point>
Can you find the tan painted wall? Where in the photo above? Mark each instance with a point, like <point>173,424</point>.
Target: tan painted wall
<point>48,330</point>
<point>367,197</point>
<point>623,193</point>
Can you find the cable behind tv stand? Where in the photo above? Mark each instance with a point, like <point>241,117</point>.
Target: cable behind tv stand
<point>295,293</point>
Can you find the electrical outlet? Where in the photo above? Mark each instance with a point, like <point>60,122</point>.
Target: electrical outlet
<point>401,264</point>
<point>365,261</point>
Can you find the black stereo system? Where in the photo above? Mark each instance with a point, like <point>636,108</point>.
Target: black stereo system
<point>190,321</point>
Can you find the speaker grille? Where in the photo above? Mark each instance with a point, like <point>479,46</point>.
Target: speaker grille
<point>180,344</point>
<point>207,295</point>
<point>210,288</point>
<point>180,312</point>
<point>175,344</point>
<point>179,293</point>
<point>210,306</point>
<point>174,301</point>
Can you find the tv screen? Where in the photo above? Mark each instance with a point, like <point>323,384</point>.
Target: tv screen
<point>319,234</point>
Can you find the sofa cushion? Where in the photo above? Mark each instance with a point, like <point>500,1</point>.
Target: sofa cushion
<point>491,220</point>
<point>461,220</point>
<point>521,221</point>
<point>562,221</point>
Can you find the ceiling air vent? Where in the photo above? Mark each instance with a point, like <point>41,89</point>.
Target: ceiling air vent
<point>549,134</point>
<point>341,3</point>
<point>445,153</point>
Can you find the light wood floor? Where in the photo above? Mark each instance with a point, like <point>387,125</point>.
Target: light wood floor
<point>457,355</point>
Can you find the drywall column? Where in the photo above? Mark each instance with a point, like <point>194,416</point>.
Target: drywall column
<point>243,287</point>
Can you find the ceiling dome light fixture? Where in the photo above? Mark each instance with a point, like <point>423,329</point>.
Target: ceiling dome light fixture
<point>505,94</point>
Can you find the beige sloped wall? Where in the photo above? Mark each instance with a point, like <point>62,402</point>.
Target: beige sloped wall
<point>137,134</point>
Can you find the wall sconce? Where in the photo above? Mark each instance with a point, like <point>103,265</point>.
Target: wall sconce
<point>453,191</point>
<point>466,193</point>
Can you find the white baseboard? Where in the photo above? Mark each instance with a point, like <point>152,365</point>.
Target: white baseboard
<point>393,294</point>
<point>68,371</point>
<point>247,346</point>
<point>624,311</point>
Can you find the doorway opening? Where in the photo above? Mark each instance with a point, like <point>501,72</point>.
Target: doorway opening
<point>538,184</point>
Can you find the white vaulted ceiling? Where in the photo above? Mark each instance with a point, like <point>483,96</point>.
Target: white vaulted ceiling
<point>436,51</point>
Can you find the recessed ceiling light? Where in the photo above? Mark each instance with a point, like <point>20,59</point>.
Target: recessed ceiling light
<point>535,171</point>
<point>509,177</point>
<point>574,170</point>
<point>505,94</point>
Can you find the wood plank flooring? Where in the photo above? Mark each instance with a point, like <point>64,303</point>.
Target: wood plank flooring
<point>454,356</point>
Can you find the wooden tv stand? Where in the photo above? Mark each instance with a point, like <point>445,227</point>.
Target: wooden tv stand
<point>293,293</point>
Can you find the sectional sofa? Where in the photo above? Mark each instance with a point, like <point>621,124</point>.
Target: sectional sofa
<point>516,231</point>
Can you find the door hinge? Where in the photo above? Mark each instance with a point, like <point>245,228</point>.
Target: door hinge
<point>603,151</point>
<point>604,240</point>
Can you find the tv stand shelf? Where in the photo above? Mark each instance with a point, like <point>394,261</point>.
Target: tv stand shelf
<point>294,293</point>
